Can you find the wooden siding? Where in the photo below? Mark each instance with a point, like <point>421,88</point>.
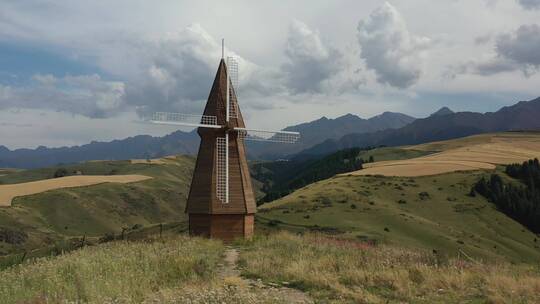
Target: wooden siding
<point>226,227</point>
<point>199,225</point>
<point>202,197</point>
<point>249,226</point>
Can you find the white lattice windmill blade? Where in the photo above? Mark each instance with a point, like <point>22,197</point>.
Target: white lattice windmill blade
<point>286,137</point>
<point>182,119</point>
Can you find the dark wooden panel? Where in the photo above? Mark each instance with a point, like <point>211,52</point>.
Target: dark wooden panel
<point>227,227</point>
<point>199,225</point>
<point>203,187</point>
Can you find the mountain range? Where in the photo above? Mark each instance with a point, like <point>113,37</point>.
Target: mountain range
<point>322,129</point>
<point>524,115</point>
<point>319,137</point>
<point>145,146</point>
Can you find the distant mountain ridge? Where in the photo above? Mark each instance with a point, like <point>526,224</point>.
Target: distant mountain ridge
<point>443,111</point>
<point>319,130</point>
<point>145,146</point>
<point>524,115</point>
<point>141,146</point>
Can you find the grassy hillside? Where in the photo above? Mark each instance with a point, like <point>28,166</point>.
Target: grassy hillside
<point>431,212</point>
<point>95,210</point>
<point>280,178</point>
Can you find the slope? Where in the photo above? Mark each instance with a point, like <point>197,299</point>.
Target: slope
<point>432,212</point>
<point>99,209</point>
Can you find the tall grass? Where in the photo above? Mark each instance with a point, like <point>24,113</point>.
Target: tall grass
<point>118,272</point>
<point>346,272</point>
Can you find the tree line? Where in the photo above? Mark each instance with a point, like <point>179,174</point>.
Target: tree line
<point>282,178</point>
<point>520,202</point>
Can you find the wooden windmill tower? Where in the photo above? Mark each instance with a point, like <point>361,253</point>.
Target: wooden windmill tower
<point>221,203</point>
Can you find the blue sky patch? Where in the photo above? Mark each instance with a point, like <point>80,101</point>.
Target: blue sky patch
<point>19,62</point>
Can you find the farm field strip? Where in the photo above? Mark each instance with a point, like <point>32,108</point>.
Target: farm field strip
<point>9,192</point>
<point>471,153</point>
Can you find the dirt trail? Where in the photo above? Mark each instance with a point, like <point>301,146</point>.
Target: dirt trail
<point>231,273</point>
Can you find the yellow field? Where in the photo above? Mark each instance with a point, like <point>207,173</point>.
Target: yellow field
<point>469,153</point>
<point>9,192</point>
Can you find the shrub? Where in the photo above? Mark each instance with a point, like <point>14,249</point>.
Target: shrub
<point>424,196</point>
<point>136,227</point>
<point>13,237</point>
<point>274,223</point>
<point>61,172</point>
<point>416,276</point>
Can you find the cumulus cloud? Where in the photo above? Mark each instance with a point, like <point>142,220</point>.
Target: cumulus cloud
<point>513,51</point>
<point>173,72</point>
<point>522,46</point>
<point>179,69</point>
<point>311,62</point>
<point>530,4</point>
<point>389,49</point>
<point>88,95</point>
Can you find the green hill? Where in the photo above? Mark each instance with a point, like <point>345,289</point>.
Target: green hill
<point>280,178</point>
<point>431,212</point>
<point>95,210</point>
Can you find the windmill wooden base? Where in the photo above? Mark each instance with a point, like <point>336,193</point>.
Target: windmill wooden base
<point>226,227</point>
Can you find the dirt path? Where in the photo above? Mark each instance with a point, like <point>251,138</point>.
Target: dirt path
<point>231,273</point>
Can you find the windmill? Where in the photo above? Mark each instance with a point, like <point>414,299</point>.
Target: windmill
<point>221,203</point>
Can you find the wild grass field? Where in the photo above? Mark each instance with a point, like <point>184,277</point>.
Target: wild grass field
<point>339,271</point>
<point>117,272</point>
<point>280,267</point>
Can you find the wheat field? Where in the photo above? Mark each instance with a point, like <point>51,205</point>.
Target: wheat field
<point>466,154</point>
<point>9,192</point>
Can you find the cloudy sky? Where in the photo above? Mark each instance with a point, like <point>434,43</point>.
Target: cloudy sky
<point>76,71</point>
